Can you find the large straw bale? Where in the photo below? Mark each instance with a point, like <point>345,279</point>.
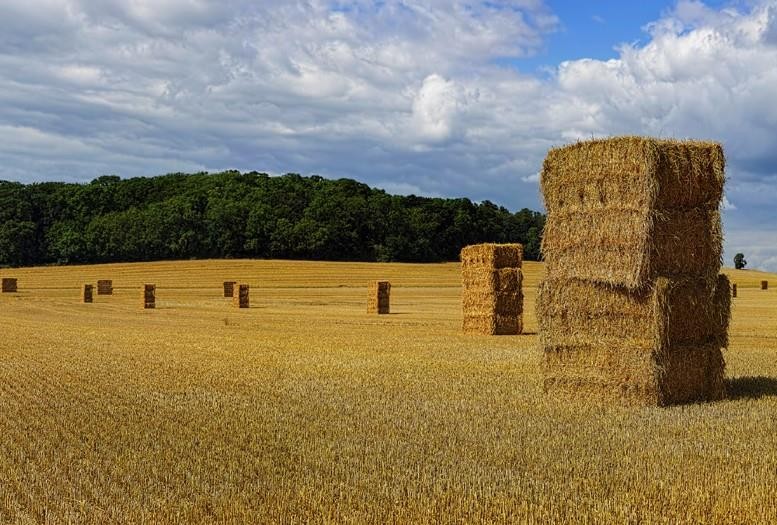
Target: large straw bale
<point>627,210</point>
<point>241,296</point>
<point>9,285</point>
<point>492,294</point>
<point>379,297</point>
<point>148,296</point>
<point>105,287</point>
<point>229,288</point>
<point>658,345</point>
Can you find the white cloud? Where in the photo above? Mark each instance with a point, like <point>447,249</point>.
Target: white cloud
<point>402,91</point>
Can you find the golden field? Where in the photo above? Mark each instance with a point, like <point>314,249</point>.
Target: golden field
<point>304,409</point>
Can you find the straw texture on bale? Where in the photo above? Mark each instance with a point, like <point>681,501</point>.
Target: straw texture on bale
<point>149,296</point>
<point>105,287</point>
<point>87,293</point>
<point>764,285</point>
<point>9,285</point>
<point>624,211</point>
<point>379,297</point>
<point>240,296</point>
<point>229,288</point>
<point>492,289</point>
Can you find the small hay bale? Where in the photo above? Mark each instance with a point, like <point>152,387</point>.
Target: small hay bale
<point>492,289</point>
<point>229,288</point>
<point>87,293</point>
<point>764,285</point>
<point>624,211</point>
<point>9,285</point>
<point>240,297</point>
<point>105,287</point>
<point>734,290</point>
<point>659,345</point>
<point>379,297</point>
<point>149,296</point>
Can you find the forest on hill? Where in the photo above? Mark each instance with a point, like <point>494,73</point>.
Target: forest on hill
<point>244,215</point>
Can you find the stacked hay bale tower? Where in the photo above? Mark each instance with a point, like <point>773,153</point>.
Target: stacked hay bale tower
<point>105,287</point>
<point>9,285</point>
<point>229,288</point>
<point>632,309</point>
<point>492,294</point>
<point>87,293</point>
<point>379,297</point>
<point>240,298</point>
<point>148,296</point>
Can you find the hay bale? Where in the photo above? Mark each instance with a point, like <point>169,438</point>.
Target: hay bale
<point>764,285</point>
<point>229,288</point>
<point>240,297</point>
<point>734,290</point>
<point>379,297</point>
<point>149,296</point>
<point>627,210</point>
<point>104,287</point>
<point>492,289</point>
<point>9,285</point>
<point>87,293</point>
<point>655,346</point>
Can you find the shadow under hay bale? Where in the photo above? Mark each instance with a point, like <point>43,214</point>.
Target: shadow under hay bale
<point>492,289</point>
<point>149,296</point>
<point>9,285</point>
<point>229,288</point>
<point>87,293</point>
<point>240,296</point>
<point>751,387</point>
<point>105,287</point>
<point>624,211</point>
<point>379,297</point>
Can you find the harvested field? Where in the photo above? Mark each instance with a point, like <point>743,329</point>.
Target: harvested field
<point>306,409</point>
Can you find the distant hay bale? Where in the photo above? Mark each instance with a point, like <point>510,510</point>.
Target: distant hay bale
<point>87,293</point>
<point>240,297</point>
<point>9,285</point>
<point>229,288</point>
<point>492,289</point>
<point>379,297</point>
<point>659,345</point>
<point>734,290</point>
<point>105,287</point>
<point>764,285</point>
<point>624,211</point>
<point>149,296</point>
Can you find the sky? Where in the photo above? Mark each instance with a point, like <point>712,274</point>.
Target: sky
<point>455,98</point>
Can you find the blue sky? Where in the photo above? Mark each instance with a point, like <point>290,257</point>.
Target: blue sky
<point>432,97</point>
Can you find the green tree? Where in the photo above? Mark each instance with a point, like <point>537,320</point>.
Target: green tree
<point>739,261</point>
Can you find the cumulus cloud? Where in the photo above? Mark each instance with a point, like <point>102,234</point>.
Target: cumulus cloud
<point>410,94</point>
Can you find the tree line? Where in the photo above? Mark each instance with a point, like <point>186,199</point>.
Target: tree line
<point>244,215</point>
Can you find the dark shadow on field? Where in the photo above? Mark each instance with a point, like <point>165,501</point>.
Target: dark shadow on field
<point>750,387</point>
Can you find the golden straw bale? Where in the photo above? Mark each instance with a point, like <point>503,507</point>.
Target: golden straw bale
<point>655,346</point>
<point>229,288</point>
<point>764,285</point>
<point>148,296</point>
<point>492,293</point>
<point>105,287</point>
<point>379,297</point>
<point>626,210</point>
<point>734,290</point>
<point>240,296</point>
<point>9,285</point>
<point>87,293</point>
